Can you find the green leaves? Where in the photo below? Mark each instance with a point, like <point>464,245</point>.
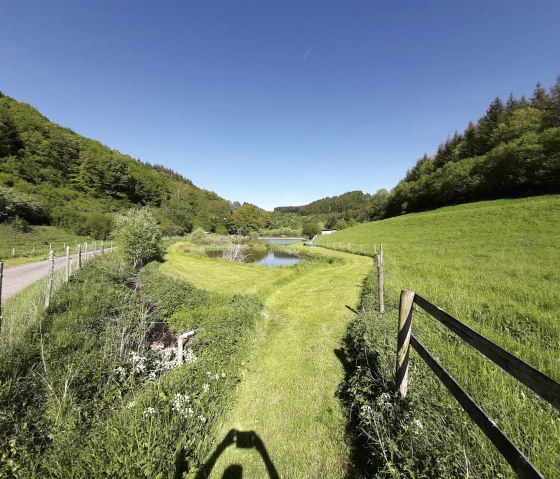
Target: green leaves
<point>139,236</point>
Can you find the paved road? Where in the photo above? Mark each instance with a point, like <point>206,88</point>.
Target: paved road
<point>17,278</point>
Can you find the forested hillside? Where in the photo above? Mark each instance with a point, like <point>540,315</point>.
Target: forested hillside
<point>351,207</point>
<point>514,149</point>
<point>51,175</point>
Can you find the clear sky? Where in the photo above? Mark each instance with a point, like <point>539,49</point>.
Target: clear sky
<point>275,102</point>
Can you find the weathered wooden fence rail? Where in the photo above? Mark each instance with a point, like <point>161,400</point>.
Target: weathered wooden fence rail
<point>540,383</point>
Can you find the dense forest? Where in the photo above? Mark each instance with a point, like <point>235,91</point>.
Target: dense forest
<point>51,175</point>
<point>512,150</point>
<point>342,210</point>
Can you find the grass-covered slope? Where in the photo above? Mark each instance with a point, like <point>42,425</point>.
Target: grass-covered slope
<point>33,244</point>
<point>496,266</point>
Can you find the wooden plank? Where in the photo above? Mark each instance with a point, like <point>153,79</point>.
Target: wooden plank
<point>539,382</point>
<point>403,341</point>
<point>520,464</point>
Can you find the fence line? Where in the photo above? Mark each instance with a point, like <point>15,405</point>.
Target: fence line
<point>359,249</point>
<point>540,383</point>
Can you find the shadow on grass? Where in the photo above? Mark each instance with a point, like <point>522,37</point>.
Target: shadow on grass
<point>243,440</point>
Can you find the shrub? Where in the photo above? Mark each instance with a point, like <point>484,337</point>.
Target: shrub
<point>15,203</point>
<point>310,229</point>
<point>139,236</point>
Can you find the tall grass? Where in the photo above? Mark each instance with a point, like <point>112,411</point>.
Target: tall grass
<point>495,266</point>
<point>82,396</point>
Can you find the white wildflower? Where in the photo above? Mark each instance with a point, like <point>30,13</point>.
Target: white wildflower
<point>384,400</point>
<point>365,410</point>
<point>190,357</point>
<point>149,411</point>
<point>201,418</point>
<point>138,362</point>
<point>206,387</point>
<point>130,404</point>
<point>180,405</point>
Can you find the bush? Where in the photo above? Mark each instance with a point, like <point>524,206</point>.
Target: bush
<point>310,229</point>
<point>20,225</point>
<point>139,236</point>
<point>15,204</point>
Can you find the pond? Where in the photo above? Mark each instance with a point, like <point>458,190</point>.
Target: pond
<point>281,240</point>
<point>266,258</point>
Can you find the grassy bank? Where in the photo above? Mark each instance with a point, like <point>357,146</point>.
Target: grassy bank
<point>82,394</point>
<point>34,244</point>
<point>495,266</point>
<point>288,393</point>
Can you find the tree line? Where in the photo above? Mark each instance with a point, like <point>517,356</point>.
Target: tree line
<point>51,175</point>
<point>512,150</point>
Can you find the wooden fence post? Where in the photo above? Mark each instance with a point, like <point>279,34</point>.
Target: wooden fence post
<point>374,248</point>
<point>79,255</point>
<point>1,276</point>
<point>102,247</point>
<point>403,341</point>
<point>67,278</point>
<point>50,279</point>
<point>380,285</point>
<point>85,252</point>
<point>13,252</point>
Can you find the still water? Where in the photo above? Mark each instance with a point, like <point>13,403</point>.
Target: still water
<point>265,258</point>
<point>281,240</point>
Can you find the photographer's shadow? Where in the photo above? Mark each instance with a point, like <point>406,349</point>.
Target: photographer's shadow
<point>243,440</point>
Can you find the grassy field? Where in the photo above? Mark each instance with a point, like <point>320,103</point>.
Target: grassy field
<point>39,237</point>
<point>288,393</point>
<point>496,266</point>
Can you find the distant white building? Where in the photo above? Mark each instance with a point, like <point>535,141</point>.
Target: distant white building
<point>328,232</point>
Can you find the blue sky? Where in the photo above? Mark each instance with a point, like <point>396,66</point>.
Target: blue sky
<point>275,102</point>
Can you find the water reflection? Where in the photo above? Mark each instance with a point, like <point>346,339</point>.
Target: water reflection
<point>263,257</point>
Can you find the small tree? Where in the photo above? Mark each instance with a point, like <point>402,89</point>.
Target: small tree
<point>139,236</point>
<point>310,229</point>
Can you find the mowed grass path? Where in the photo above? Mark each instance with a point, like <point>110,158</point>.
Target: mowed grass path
<point>288,394</point>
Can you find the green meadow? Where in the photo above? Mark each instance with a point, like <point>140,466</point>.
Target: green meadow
<point>288,395</point>
<point>495,266</point>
